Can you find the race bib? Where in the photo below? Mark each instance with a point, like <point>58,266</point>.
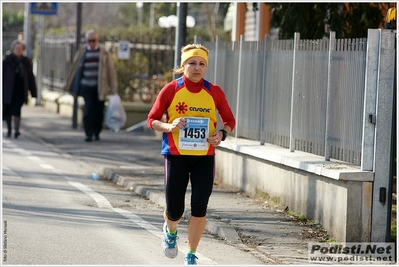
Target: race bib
<point>194,136</point>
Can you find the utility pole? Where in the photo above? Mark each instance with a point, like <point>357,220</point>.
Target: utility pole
<point>27,32</point>
<point>181,31</point>
<point>78,29</point>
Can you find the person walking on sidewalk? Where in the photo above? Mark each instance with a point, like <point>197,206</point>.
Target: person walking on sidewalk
<point>188,144</point>
<point>92,76</point>
<point>18,79</point>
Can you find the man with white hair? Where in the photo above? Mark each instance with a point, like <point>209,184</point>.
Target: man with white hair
<point>92,76</point>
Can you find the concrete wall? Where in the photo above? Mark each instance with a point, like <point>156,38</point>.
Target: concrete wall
<point>50,100</point>
<point>336,195</point>
<point>136,112</point>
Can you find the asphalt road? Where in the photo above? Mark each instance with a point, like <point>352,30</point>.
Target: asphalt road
<point>55,214</point>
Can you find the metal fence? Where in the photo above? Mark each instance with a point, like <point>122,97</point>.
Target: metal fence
<point>304,95</point>
<point>56,56</point>
<point>143,73</point>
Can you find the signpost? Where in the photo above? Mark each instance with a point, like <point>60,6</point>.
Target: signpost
<point>44,8</point>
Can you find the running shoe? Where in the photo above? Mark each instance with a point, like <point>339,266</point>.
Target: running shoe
<point>190,259</point>
<point>169,244</point>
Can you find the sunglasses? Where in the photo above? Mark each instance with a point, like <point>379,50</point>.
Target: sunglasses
<point>91,41</point>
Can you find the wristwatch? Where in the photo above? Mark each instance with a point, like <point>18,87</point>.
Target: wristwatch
<point>224,134</point>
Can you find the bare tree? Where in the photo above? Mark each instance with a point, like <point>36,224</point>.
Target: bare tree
<point>211,13</point>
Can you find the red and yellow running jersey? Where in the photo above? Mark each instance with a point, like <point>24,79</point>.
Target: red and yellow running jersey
<point>199,103</point>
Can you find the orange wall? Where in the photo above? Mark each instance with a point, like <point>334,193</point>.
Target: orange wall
<point>264,14</point>
<point>264,20</point>
<point>241,9</point>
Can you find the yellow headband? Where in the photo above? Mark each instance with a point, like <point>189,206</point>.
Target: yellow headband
<point>194,53</point>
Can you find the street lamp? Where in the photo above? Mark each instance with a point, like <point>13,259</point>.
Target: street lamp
<point>190,21</point>
<point>139,6</point>
<point>168,22</point>
<point>171,21</point>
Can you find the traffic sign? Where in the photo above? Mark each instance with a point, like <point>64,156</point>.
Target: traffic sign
<point>124,50</point>
<point>44,8</point>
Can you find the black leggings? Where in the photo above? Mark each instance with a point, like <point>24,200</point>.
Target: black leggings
<point>179,170</point>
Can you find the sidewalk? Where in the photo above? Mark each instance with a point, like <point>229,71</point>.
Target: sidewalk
<point>132,160</point>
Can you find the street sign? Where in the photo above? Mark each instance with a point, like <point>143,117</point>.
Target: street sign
<point>124,50</point>
<point>43,8</point>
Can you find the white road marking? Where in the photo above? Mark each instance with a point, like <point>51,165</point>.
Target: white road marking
<point>101,201</point>
<point>155,231</point>
<point>46,166</point>
<point>35,159</point>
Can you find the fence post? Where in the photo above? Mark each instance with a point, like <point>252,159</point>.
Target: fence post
<point>370,96</point>
<point>40,61</point>
<point>75,97</point>
<point>296,46</point>
<point>262,96</point>
<point>381,214</point>
<point>238,85</point>
<point>216,59</point>
<point>331,48</point>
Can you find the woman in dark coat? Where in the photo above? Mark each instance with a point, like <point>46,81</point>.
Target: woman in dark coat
<point>18,79</point>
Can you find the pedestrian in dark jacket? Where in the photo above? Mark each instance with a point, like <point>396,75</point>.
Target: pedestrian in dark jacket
<point>18,79</point>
